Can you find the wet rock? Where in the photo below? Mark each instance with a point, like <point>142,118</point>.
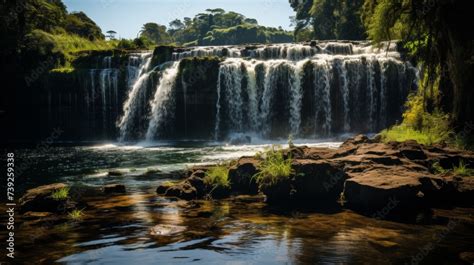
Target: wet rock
<point>313,182</point>
<point>467,257</point>
<point>241,176</point>
<point>167,230</point>
<point>464,190</point>
<point>183,190</point>
<point>40,200</point>
<point>359,139</point>
<point>377,189</point>
<point>161,190</point>
<point>373,177</point>
<point>197,181</point>
<point>151,172</point>
<point>114,188</point>
<point>412,150</point>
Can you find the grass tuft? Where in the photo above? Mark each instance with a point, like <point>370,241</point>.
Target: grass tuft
<point>437,168</point>
<point>76,214</point>
<point>217,176</point>
<point>273,168</point>
<point>463,170</point>
<point>61,194</point>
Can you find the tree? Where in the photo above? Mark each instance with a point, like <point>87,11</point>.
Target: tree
<point>251,21</point>
<point>175,25</point>
<point>80,24</point>
<point>330,19</point>
<point>155,33</point>
<point>435,33</point>
<point>111,34</point>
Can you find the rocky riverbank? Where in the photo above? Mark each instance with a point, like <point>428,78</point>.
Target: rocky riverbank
<point>381,180</point>
<point>363,174</point>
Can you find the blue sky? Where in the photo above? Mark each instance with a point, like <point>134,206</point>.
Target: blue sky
<point>127,16</point>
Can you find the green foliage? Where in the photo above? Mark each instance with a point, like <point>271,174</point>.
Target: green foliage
<point>217,176</point>
<point>463,170</point>
<point>169,183</point>
<point>76,215</point>
<point>437,168</point>
<point>155,33</point>
<point>246,33</point>
<point>217,27</point>
<point>418,124</point>
<point>274,167</point>
<point>435,129</point>
<point>305,34</point>
<point>436,40</point>
<point>330,19</point>
<point>80,24</point>
<point>61,194</point>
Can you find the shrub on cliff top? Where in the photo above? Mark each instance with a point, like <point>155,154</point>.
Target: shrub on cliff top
<point>274,167</point>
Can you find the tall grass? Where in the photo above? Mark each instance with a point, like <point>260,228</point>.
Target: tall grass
<point>274,167</point>
<point>463,170</point>
<point>70,43</point>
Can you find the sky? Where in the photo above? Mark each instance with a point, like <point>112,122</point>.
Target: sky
<point>126,17</point>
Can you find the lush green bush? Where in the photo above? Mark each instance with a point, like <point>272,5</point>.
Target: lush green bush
<point>274,167</point>
<point>217,176</point>
<point>420,125</point>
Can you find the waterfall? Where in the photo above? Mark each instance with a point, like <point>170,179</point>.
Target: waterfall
<point>307,90</point>
<point>133,103</point>
<point>158,106</point>
<point>296,97</point>
<point>322,92</point>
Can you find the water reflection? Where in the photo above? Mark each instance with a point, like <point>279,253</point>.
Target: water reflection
<point>244,230</point>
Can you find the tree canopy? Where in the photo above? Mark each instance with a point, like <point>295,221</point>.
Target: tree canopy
<point>218,27</point>
<point>435,34</point>
<point>329,19</point>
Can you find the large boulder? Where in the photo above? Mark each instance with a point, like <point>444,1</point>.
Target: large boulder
<point>241,176</point>
<point>396,188</point>
<point>189,189</point>
<point>312,182</point>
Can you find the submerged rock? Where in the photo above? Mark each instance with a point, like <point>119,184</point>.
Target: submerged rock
<point>41,199</point>
<point>114,188</point>
<point>167,230</point>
